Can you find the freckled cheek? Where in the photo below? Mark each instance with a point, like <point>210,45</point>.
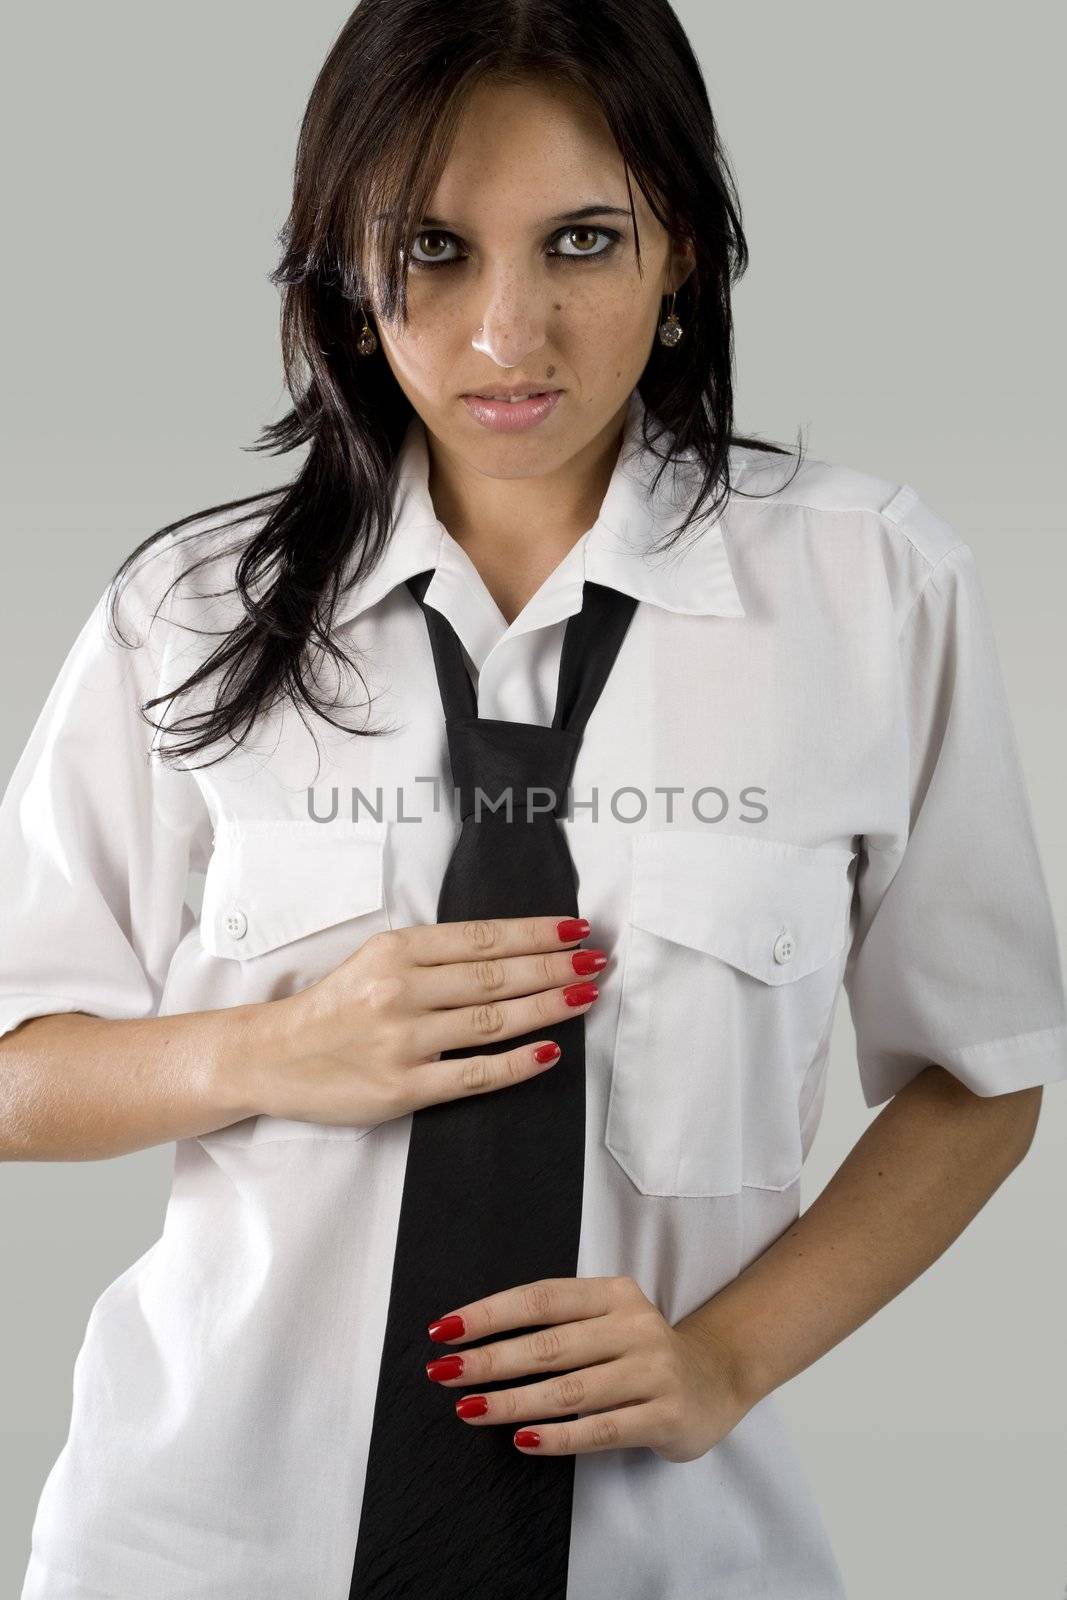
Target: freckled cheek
<point>427,340</point>
<point>599,319</point>
<point>615,292</point>
<point>608,317</point>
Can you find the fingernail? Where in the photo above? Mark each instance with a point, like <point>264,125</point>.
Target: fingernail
<point>527,1439</point>
<point>445,1367</point>
<point>572,928</point>
<point>580,994</point>
<point>589,960</point>
<point>472,1405</point>
<point>546,1052</point>
<point>446,1328</point>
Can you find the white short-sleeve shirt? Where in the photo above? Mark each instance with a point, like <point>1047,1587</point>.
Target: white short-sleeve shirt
<point>801,777</point>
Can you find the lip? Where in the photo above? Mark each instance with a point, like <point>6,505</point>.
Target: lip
<point>506,416</point>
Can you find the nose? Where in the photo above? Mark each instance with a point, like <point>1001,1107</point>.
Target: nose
<point>514,314</point>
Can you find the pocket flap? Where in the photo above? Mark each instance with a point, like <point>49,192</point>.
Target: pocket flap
<point>775,910</point>
<point>270,882</point>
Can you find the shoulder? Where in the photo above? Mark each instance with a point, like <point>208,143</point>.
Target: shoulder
<point>859,514</point>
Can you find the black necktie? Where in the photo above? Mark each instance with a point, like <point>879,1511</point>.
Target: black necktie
<point>493,1185</point>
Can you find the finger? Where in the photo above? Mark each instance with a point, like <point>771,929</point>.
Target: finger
<point>585,1390</point>
<point>475,981</point>
<point>476,1027</point>
<point>545,1300</point>
<point>430,1083</point>
<point>558,1347</point>
<point>623,1428</point>
<point>430,943</point>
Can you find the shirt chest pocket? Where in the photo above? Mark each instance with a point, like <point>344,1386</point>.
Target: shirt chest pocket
<point>285,902</point>
<point>735,949</point>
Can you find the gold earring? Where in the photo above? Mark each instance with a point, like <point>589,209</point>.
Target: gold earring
<point>671,330</point>
<point>368,339</point>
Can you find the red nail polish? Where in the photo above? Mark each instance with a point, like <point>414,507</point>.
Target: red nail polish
<point>572,928</point>
<point>580,994</point>
<point>589,960</point>
<point>445,1367</point>
<point>527,1439</point>
<point>446,1328</point>
<point>546,1052</point>
<point>472,1405</point>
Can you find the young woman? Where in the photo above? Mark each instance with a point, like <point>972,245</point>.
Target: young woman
<point>477,1275</point>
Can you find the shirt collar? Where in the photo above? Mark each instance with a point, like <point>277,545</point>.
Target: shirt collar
<point>695,578</point>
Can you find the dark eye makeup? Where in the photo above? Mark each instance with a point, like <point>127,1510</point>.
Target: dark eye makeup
<point>612,236</point>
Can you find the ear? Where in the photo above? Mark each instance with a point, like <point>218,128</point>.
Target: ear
<point>681,263</point>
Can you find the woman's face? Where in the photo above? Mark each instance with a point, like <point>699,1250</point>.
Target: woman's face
<point>510,284</point>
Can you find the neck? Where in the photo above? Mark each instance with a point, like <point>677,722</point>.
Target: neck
<point>516,531</point>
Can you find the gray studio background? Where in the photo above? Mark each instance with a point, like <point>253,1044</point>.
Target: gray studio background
<point>897,167</point>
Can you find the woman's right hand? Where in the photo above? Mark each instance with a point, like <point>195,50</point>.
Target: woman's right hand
<point>362,1044</point>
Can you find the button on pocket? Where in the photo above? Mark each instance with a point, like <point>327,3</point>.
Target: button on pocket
<point>287,901</point>
<point>270,883</point>
<point>735,949</point>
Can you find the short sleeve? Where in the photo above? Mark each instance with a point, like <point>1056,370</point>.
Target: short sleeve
<point>955,958</point>
<point>97,835</point>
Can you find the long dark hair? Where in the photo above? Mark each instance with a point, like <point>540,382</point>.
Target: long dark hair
<point>374,138</point>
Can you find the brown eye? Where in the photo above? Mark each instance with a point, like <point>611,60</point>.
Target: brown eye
<point>585,240</point>
<point>432,245</point>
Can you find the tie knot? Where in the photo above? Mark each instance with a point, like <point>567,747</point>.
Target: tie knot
<point>521,768</point>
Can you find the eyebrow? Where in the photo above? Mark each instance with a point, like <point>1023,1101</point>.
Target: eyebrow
<point>578,215</point>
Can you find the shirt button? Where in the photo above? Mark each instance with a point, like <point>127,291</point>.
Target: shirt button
<point>236,924</point>
<point>784,946</point>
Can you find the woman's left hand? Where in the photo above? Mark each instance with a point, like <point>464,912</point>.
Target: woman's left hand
<point>626,1375</point>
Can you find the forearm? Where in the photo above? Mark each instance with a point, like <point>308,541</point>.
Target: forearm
<point>75,1087</point>
<point>914,1180</point>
